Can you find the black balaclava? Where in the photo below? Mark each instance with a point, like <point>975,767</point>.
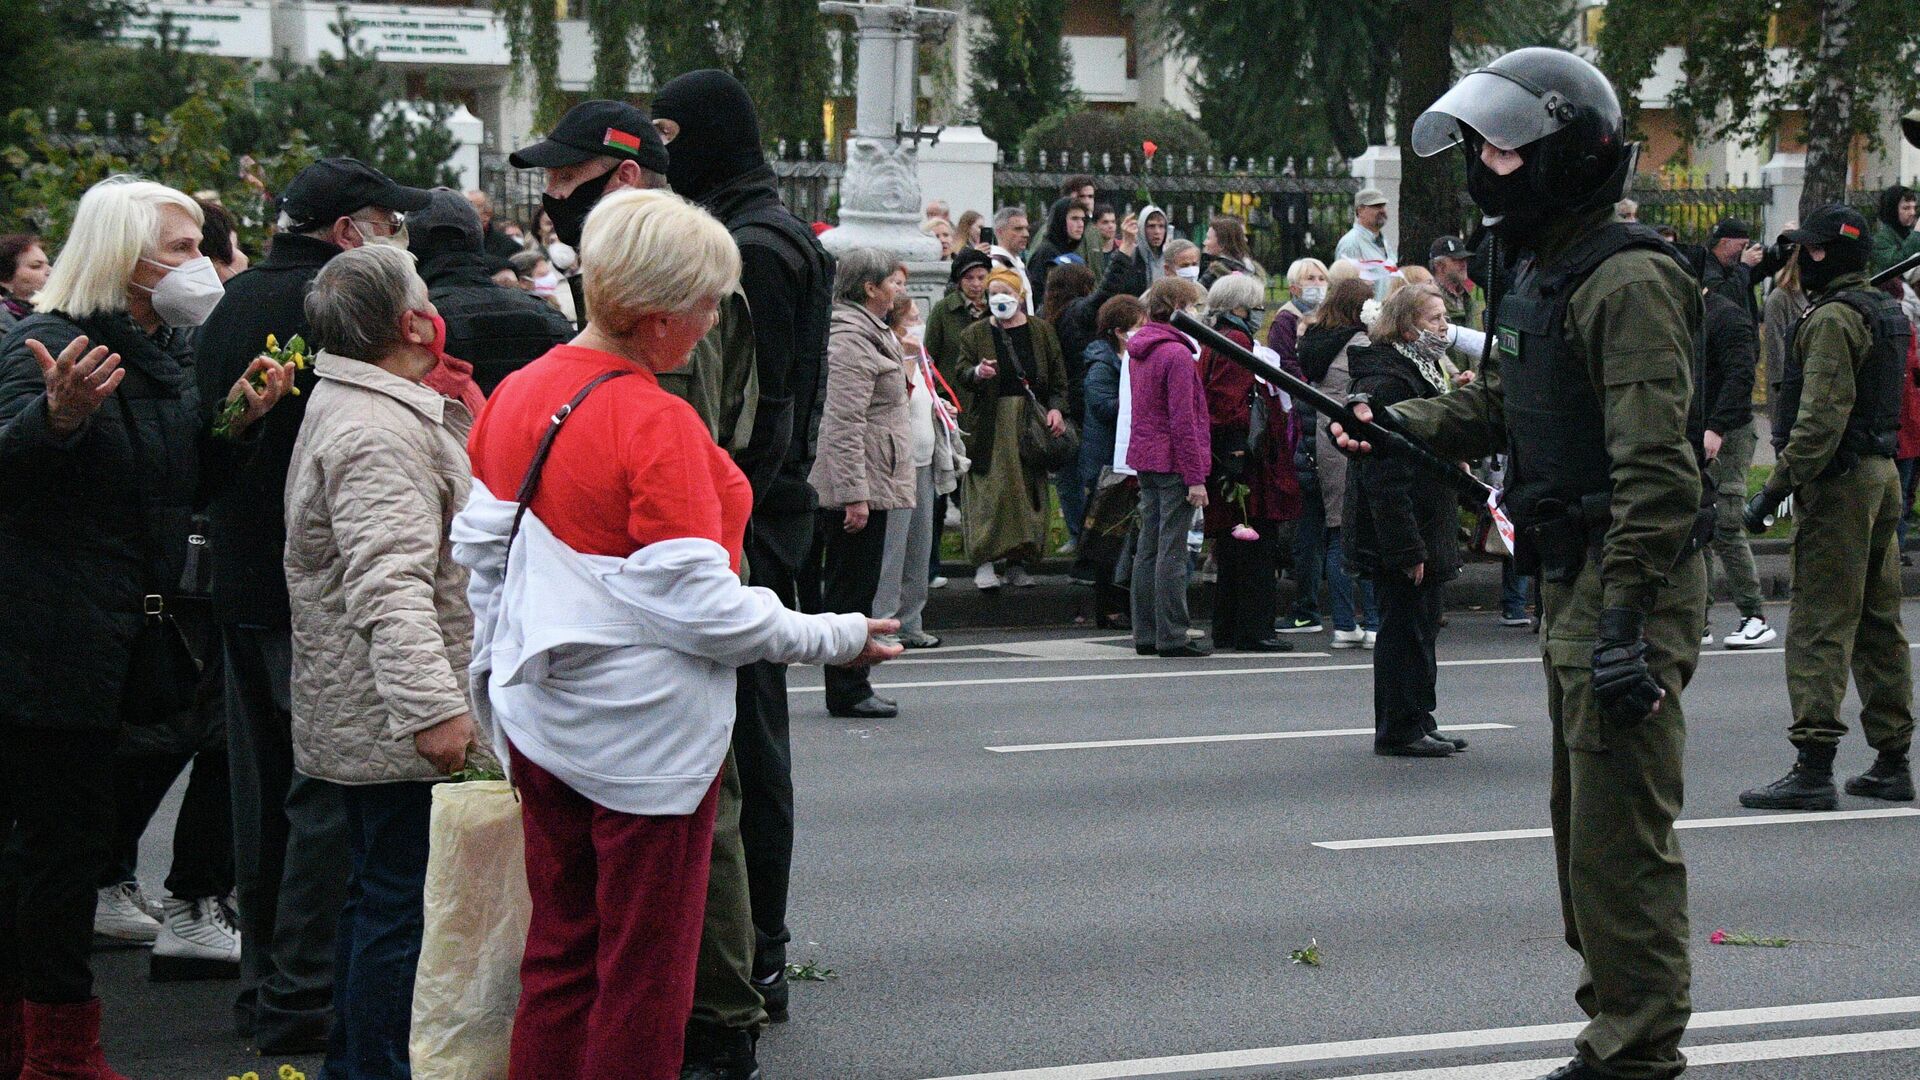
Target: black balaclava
<point>1843,257</point>
<point>719,137</point>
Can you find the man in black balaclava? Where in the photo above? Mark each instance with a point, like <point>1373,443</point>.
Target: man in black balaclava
<point>713,135</point>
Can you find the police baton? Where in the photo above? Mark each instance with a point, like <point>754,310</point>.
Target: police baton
<point>1899,269</point>
<point>1385,440</point>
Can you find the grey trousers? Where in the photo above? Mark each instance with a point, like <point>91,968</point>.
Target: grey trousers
<point>1729,544</point>
<point>1160,562</point>
<point>903,587</point>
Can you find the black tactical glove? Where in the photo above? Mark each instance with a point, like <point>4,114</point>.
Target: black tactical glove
<point>1622,685</point>
<point>1760,508</point>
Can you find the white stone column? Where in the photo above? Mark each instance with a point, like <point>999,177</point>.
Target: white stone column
<point>1785,177</point>
<point>468,133</point>
<point>959,169</point>
<point>1379,167</point>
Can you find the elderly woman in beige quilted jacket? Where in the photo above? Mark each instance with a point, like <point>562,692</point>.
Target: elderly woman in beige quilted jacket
<point>381,630</point>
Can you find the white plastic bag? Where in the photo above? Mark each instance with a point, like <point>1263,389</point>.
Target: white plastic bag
<point>477,909</point>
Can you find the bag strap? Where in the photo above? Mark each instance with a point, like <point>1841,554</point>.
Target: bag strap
<point>1003,344</point>
<point>530,484</point>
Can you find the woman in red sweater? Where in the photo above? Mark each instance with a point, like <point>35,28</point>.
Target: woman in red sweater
<point>604,536</point>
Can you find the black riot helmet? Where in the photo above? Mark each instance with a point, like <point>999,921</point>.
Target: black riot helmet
<point>1553,108</point>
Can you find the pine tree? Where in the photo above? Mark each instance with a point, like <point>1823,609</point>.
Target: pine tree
<point>351,106</point>
<point>1021,73</point>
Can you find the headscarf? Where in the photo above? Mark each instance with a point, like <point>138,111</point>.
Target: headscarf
<point>1009,279</point>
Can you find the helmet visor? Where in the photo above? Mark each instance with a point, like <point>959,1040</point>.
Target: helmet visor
<point>1506,113</point>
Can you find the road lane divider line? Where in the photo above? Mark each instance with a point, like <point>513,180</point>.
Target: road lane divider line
<point>1437,839</point>
<point>1708,1054</point>
<point>1129,657</point>
<point>1229,1061</point>
<point>1252,736</point>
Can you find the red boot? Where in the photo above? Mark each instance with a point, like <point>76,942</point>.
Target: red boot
<point>63,1043</point>
<point>12,1040</point>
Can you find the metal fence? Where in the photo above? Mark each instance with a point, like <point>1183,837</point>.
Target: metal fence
<point>1291,209</point>
<point>809,186</point>
<point>1692,204</point>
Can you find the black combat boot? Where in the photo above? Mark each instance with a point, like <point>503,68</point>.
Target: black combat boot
<point>1807,786</point>
<point>1578,1070</point>
<point>715,1053</point>
<point>1891,778</point>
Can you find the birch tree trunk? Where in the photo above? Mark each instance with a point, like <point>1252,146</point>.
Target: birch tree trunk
<point>1830,109</point>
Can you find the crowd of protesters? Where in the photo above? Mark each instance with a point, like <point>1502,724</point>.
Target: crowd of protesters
<point>425,493</point>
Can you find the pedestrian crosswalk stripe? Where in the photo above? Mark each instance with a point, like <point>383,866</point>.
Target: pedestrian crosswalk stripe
<point>1697,823</point>
<point>1252,736</point>
<point>1865,1042</point>
<point>1231,1061</point>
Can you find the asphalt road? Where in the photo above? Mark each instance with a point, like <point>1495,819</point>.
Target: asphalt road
<point>993,912</point>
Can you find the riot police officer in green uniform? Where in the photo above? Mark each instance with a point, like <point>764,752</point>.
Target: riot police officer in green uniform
<point>1835,430</point>
<point>1589,387</point>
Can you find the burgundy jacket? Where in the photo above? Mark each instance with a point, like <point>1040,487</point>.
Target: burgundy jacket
<point>1170,422</point>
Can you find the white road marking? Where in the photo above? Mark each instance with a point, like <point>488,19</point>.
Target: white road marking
<point>1213,1064</point>
<point>1105,656</point>
<point>1254,736</point>
<point>1865,1042</point>
<point>1697,823</point>
<point>1183,673</point>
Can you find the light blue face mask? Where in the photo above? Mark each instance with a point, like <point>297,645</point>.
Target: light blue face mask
<point>1309,297</point>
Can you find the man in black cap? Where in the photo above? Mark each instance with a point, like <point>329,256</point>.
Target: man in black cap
<point>1735,264</point>
<point>597,147</point>
<point>497,329</point>
<point>712,130</point>
<point>290,840</point>
<point>1836,429</point>
<point>1448,258</point>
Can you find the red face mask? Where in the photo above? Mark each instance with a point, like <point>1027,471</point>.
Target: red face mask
<point>438,346</point>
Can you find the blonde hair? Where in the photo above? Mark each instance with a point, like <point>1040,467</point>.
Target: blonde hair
<point>1299,270</point>
<point>647,250</point>
<point>117,222</point>
<point>1342,270</point>
<point>1408,275</point>
<point>1400,312</point>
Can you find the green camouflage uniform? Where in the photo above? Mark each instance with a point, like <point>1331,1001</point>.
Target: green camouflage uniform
<point>1845,612</point>
<point>1617,789</point>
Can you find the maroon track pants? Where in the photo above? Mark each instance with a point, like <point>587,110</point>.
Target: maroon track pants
<point>618,899</point>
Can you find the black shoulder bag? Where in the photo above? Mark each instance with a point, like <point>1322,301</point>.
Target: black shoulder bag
<point>1040,448</point>
<point>163,672</point>
<point>530,484</point>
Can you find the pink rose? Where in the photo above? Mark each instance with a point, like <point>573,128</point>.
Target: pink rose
<point>1245,532</point>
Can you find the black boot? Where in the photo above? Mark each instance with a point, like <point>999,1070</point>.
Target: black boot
<point>1578,1070</point>
<point>718,1054</point>
<point>1891,778</point>
<point>1807,786</point>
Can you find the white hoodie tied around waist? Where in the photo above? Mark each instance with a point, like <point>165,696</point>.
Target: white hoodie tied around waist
<point>617,675</point>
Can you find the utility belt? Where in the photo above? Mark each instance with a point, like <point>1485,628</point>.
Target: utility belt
<point>1557,548</point>
<point>1852,451</point>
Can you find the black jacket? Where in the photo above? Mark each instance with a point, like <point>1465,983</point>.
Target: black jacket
<point>1054,242</point>
<point>1730,352</point>
<point>500,248</point>
<point>1078,325</point>
<point>77,552</point>
<point>496,329</point>
<point>1737,282</point>
<point>246,499</point>
<point>1399,516</point>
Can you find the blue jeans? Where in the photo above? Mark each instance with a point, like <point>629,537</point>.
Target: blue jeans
<point>1514,591</point>
<point>378,945</point>
<point>1319,555</point>
<point>1073,498</point>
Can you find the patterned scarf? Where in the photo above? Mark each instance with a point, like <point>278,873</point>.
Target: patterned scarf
<point>1426,354</point>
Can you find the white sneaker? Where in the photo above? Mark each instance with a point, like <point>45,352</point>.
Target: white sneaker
<point>1350,639</point>
<point>1753,633</point>
<point>1018,577</point>
<point>985,578</point>
<point>199,941</point>
<point>1372,636</point>
<point>1706,637</point>
<point>938,581</point>
<point>120,913</point>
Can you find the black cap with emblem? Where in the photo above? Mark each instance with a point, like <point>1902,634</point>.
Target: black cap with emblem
<point>597,129</point>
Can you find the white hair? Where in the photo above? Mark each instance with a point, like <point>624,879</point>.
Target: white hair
<point>1300,269</point>
<point>117,222</point>
<point>1236,291</point>
<point>647,250</point>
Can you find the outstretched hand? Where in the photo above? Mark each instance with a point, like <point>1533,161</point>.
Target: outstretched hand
<point>77,384</point>
<point>878,651</point>
<point>1347,443</point>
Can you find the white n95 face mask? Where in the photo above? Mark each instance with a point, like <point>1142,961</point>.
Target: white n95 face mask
<point>189,292</point>
<point>1003,306</point>
<point>1191,273</point>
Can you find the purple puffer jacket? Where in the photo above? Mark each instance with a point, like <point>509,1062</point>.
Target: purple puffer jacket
<point>1170,422</point>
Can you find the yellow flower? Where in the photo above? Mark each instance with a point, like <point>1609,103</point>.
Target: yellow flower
<point>272,343</point>
<point>249,1075</point>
